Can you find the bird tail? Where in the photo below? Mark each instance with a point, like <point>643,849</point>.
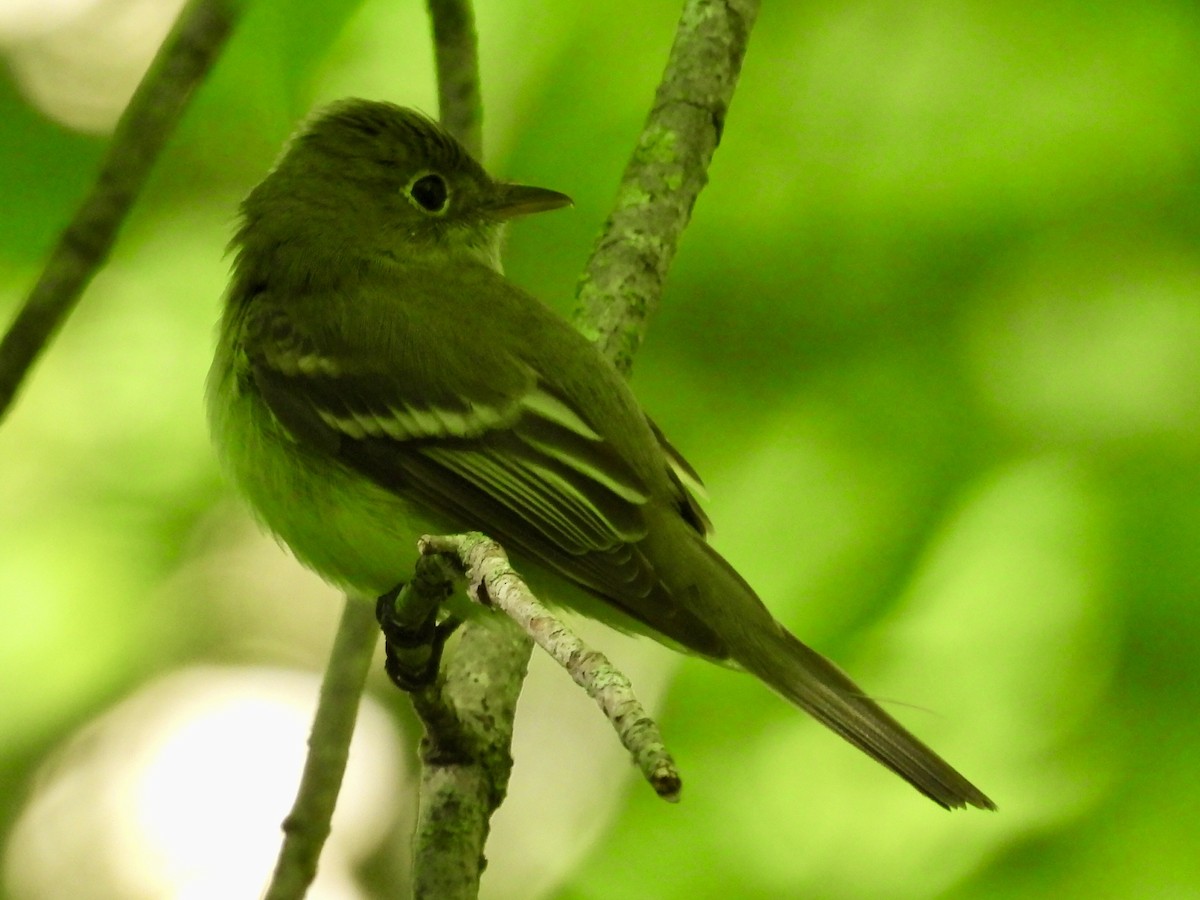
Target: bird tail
<point>825,692</point>
<point>752,637</point>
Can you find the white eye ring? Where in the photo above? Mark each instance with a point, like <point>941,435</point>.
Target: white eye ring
<point>429,193</point>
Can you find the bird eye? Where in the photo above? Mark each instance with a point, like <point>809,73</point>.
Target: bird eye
<point>430,193</point>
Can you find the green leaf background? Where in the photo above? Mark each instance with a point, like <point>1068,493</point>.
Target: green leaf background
<point>932,340</point>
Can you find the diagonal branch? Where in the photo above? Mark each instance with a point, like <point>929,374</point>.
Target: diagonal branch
<point>493,582</point>
<point>623,281</point>
<point>182,62</point>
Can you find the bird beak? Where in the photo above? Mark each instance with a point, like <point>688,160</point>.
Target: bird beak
<point>512,200</point>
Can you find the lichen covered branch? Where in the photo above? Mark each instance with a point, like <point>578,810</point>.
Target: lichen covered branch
<point>493,582</point>
<point>623,281</point>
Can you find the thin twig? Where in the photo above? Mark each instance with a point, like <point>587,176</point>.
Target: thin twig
<point>456,57</point>
<point>494,582</point>
<point>307,825</point>
<point>623,281</point>
<point>156,107</point>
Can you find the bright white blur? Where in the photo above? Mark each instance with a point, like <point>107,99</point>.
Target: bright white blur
<point>79,61</point>
<point>179,792</point>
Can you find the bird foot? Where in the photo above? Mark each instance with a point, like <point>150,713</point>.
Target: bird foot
<point>412,655</point>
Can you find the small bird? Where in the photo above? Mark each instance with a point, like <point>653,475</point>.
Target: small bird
<point>377,378</point>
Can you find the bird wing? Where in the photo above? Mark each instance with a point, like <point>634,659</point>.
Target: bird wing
<point>515,458</point>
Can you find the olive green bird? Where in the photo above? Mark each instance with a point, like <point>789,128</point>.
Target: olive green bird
<point>377,378</point>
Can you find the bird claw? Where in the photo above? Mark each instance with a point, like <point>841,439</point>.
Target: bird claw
<point>412,656</point>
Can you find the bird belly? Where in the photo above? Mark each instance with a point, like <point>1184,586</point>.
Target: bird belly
<point>355,534</point>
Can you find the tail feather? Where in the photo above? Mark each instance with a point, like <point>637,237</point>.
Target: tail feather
<point>822,690</point>
<point>717,596</point>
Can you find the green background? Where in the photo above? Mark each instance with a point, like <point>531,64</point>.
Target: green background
<point>931,340</point>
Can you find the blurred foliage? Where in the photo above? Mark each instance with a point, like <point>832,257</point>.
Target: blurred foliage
<point>932,339</point>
